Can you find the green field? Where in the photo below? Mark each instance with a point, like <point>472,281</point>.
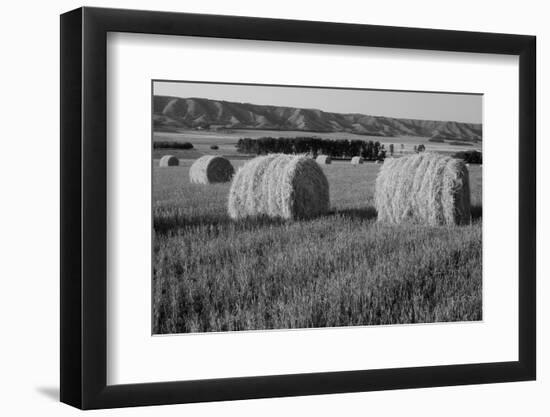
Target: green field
<point>341,269</point>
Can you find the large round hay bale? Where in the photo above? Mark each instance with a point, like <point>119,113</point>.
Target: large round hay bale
<point>169,161</point>
<point>425,188</point>
<point>356,160</point>
<point>323,159</point>
<point>279,186</point>
<point>210,169</point>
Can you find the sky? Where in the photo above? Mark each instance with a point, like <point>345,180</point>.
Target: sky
<point>399,104</point>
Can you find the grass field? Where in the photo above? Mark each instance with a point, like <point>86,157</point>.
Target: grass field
<point>213,274</point>
<point>226,140</point>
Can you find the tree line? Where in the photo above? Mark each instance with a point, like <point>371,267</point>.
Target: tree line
<point>336,148</point>
<point>164,144</point>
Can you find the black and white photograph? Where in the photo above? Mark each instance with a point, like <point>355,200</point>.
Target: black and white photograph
<point>294,207</point>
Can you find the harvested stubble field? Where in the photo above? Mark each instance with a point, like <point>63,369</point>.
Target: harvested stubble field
<point>215,274</point>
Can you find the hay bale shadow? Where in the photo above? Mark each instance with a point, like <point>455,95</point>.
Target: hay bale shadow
<point>172,220</point>
<point>476,212</point>
<point>363,213</point>
<point>176,221</point>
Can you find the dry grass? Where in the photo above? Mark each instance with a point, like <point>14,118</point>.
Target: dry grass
<point>342,268</point>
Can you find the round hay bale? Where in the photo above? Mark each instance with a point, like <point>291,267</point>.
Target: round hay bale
<point>169,161</point>
<point>356,160</point>
<point>425,188</point>
<point>279,186</point>
<point>210,169</point>
<point>323,159</point>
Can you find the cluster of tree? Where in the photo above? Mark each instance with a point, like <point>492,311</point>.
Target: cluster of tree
<point>339,148</point>
<point>172,145</point>
<point>470,157</point>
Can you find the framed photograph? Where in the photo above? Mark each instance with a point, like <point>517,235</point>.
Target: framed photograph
<point>257,208</point>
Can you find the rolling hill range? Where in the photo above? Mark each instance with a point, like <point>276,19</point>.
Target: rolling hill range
<point>173,113</point>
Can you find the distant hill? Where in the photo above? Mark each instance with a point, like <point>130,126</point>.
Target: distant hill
<point>175,112</point>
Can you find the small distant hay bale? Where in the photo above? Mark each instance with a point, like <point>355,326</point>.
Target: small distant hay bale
<point>169,161</point>
<point>378,161</point>
<point>211,169</point>
<point>425,188</point>
<point>356,160</point>
<point>324,159</point>
<point>279,186</point>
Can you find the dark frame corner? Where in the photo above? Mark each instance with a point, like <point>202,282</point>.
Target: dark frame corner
<point>83,207</point>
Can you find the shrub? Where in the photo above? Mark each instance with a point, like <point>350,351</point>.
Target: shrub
<point>209,169</point>
<point>214,147</point>
<point>279,186</point>
<point>424,188</point>
<point>172,145</point>
<point>186,145</point>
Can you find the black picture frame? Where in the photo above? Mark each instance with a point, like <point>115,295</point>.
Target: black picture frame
<point>84,207</point>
